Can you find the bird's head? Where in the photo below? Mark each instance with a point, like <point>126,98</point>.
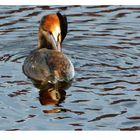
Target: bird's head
<point>52,31</point>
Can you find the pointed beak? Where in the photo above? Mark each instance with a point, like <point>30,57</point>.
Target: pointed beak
<point>56,45</point>
<point>50,39</point>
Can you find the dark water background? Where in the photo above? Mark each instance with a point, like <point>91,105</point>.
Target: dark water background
<point>104,45</point>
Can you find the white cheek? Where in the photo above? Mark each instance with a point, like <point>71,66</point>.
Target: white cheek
<point>56,32</point>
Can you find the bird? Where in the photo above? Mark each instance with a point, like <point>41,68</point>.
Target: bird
<point>47,66</point>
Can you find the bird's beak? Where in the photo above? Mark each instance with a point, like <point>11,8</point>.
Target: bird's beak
<point>50,39</point>
<point>53,41</point>
<point>56,45</point>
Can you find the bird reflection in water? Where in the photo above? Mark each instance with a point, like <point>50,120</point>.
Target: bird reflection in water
<point>52,95</point>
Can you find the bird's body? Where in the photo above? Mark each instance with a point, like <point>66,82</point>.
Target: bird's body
<point>47,64</point>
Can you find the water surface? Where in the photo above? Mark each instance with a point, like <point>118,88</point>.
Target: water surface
<point>103,44</point>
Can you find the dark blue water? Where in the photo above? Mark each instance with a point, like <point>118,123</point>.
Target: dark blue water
<point>103,44</point>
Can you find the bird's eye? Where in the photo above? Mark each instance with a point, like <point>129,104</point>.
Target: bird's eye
<point>50,33</point>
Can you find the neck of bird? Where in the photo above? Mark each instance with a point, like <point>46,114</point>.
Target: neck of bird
<point>42,42</point>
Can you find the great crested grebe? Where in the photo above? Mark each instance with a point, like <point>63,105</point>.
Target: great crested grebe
<point>47,65</point>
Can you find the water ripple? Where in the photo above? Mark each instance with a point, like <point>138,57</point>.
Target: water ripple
<point>103,43</point>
